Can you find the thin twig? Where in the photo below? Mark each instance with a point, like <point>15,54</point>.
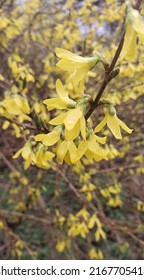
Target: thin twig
<point>5,212</point>
<point>11,167</point>
<point>110,73</point>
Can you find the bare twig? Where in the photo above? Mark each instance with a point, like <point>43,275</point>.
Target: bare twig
<point>7,213</point>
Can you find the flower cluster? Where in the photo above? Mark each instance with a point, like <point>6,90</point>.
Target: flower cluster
<point>71,137</point>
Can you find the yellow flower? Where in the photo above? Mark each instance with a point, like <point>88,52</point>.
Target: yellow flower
<point>84,214</point>
<point>74,122</point>
<point>79,228</point>
<point>134,27</point>
<point>27,155</point>
<point>114,124</point>
<point>100,234</point>
<point>1,224</point>
<point>60,246</point>
<point>77,66</point>
<point>95,254</point>
<point>91,149</point>
<point>115,201</point>
<point>15,105</point>
<point>50,138</point>
<point>43,157</point>
<point>62,102</point>
<point>67,152</point>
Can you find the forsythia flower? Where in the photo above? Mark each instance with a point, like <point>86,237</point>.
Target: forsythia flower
<point>95,254</point>
<point>39,157</point>
<point>27,155</point>
<point>113,123</point>
<point>43,157</point>
<point>15,105</point>
<point>134,27</point>
<point>63,102</point>
<point>50,138</point>
<point>77,66</point>
<point>91,149</point>
<point>115,201</point>
<point>60,246</point>
<point>74,122</point>
<point>67,151</point>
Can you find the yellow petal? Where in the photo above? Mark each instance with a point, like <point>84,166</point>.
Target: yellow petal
<point>63,94</point>
<point>26,151</point>
<point>60,91</point>
<point>80,73</point>
<point>136,20</point>
<point>67,65</point>
<point>17,154</point>
<point>51,138</point>
<point>40,137</point>
<point>92,221</point>
<point>62,53</point>
<point>73,133</point>
<point>59,119</point>
<point>72,151</point>
<point>48,155</point>
<point>81,150</point>
<point>101,140</point>
<point>61,151</point>
<point>72,117</point>
<point>48,139</point>
<point>101,124</point>
<point>129,47</point>
<point>67,159</point>
<point>27,163</point>
<point>55,103</point>
<point>114,126</point>
<point>125,127</point>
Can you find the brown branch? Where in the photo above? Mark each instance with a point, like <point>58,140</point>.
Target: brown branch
<point>5,212</point>
<point>110,73</point>
<point>124,167</point>
<point>11,167</point>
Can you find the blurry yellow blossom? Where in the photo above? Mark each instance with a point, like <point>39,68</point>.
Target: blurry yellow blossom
<point>83,213</point>
<point>115,201</point>
<point>124,247</point>
<point>1,224</point>
<point>134,27</point>
<point>20,206</point>
<point>140,205</point>
<point>78,228</point>
<point>95,254</point>
<point>15,105</point>
<point>1,77</point>
<point>60,246</point>
<point>100,234</point>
